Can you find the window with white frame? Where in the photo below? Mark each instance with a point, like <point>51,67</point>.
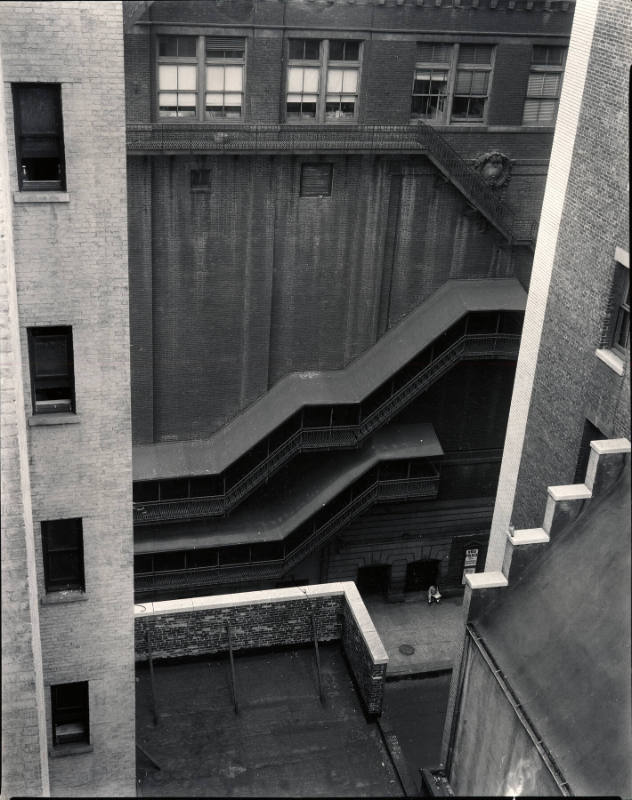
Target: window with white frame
<point>322,80</point>
<point>471,87</point>
<point>430,88</point>
<point>451,82</point>
<point>620,323</point>
<point>545,85</point>
<point>201,77</point>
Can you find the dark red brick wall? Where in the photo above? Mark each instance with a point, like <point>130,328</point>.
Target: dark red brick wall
<point>509,83</point>
<point>138,77</point>
<point>139,218</point>
<point>264,76</point>
<point>388,32</point>
<point>387,80</point>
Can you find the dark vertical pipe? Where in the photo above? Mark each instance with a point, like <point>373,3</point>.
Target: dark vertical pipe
<point>154,706</point>
<point>233,684</point>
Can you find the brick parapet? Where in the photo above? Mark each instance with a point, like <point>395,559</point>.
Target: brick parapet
<point>274,618</point>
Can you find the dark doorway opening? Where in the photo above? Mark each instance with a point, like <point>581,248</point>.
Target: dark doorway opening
<point>421,574</point>
<point>373,579</point>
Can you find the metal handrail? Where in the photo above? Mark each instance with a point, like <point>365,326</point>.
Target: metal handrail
<point>421,137</point>
<point>467,347</point>
<point>384,490</point>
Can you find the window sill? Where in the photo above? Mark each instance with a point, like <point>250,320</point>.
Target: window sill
<point>75,749</point>
<point>67,596</point>
<point>41,197</point>
<point>65,418</point>
<point>610,358</point>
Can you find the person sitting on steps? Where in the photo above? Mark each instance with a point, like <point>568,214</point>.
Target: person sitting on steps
<point>434,595</point>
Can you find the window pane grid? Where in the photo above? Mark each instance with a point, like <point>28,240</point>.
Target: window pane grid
<point>621,339</point>
<point>303,88</point>
<point>333,98</point>
<point>224,92</point>
<point>430,92</point>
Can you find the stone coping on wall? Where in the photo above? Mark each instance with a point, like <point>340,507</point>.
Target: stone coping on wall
<point>347,589</point>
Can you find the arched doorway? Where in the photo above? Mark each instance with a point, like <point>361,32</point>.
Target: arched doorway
<point>373,579</point>
<point>421,574</point>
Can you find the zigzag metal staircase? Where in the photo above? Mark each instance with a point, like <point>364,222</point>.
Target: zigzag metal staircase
<point>440,358</point>
<point>259,139</point>
<point>339,510</point>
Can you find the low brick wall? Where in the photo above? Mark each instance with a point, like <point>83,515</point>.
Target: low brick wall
<point>278,617</point>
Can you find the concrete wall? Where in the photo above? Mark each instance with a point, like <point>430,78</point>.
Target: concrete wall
<point>498,759</point>
<point>272,618</point>
<point>236,287</point>
<point>71,269</point>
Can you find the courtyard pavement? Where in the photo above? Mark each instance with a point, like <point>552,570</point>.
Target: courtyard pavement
<point>435,632</point>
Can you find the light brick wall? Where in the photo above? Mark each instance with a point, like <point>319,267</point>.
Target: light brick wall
<point>71,266</point>
<point>24,760</point>
<point>559,380</point>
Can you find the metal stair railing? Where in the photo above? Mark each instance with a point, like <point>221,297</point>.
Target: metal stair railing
<point>468,346</point>
<point>467,179</point>
<point>384,490</point>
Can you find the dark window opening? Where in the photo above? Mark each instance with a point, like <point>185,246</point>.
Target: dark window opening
<point>69,704</point>
<point>200,179</point>
<point>224,47</point>
<point>39,136</point>
<point>316,180</point>
<point>62,544</point>
<point>178,46</point>
<point>420,575</point>
<point>52,375</point>
<point>590,434</point>
<point>373,579</point>
<point>304,49</point>
<point>344,50</point>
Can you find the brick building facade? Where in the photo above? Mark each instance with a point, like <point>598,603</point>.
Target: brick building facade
<point>67,601</point>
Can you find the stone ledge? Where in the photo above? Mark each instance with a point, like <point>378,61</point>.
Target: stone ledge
<point>58,598</point>
<point>41,197</point>
<point>612,360</point>
<point>571,491</point>
<point>64,418</point>
<point>529,536</point>
<point>610,446</point>
<point>486,580</point>
<point>622,256</point>
<point>64,750</point>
